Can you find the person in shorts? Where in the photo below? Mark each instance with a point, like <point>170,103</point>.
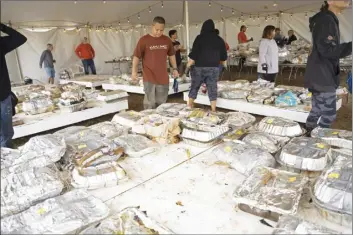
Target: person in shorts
<point>47,59</point>
<point>207,51</point>
<point>154,49</point>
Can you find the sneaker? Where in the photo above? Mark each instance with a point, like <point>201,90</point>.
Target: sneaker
<point>308,131</point>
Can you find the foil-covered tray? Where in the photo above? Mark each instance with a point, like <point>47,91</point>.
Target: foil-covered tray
<point>271,189</point>
<point>237,120</point>
<point>338,138</point>
<point>234,134</point>
<point>136,145</point>
<point>112,95</point>
<point>200,144</point>
<point>19,191</point>
<point>243,157</point>
<point>304,153</point>
<point>65,214</point>
<point>292,225</point>
<point>170,109</point>
<point>128,221</point>
<point>109,129</point>
<point>38,105</point>
<point>128,118</point>
<point>226,85</point>
<point>205,136</point>
<point>280,126</point>
<point>234,94</point>
<point>264,141</point>
<point>78,133</point>
<point>202,120</point>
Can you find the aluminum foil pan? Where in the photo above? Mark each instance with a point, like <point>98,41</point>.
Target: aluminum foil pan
<point>136,145</point>
<point>338,138</point>
<point>257,99</point>
<point>226,85</point>
<point>128,221</point>
<point>128,118</point>
<point>237,120</point>
<point>234,94</point>
<point>235,134</point>
<point>65,214</point>
<point>243,157</point>
<point>112,95</point>
<point>19,191</point>
<point>100,176</point>
<point>292,225</point>
<point>333,191</point>
<point>271,189</point>
<point>264,141</point>
<point>280,126</point>
<point>147,112</point>
<point>8,156</point>
<point>170,109</point>
<point>38,105</point>
<point>108,129</point>
<point>205,136</point>
<point>304,153</point>
<point>202,120</point>
<point>200,144</point>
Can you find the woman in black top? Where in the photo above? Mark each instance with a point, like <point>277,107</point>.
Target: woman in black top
<point>291,37</point>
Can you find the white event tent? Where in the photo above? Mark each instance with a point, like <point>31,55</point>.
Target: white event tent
<point>114,27</point>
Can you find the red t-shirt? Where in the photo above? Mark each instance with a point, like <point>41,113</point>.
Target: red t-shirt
<point>242,38</point>
<point>85,51</point>
<point>154,52</point>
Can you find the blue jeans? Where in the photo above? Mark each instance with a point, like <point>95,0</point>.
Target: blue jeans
<point>89,64</point>
<point>6,128</point>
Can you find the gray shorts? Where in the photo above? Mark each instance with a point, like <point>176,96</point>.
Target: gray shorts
<point>155,95</point>
<point>208,75</point>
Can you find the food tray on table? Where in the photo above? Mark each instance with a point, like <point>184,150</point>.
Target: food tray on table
<point>243,157</point>
<point>293,225</point>
<point>38,105</point>
<point>127,118</point>
<point>109,129</point>
<point>199,119</point>
<point>170,109</point>
<point>112,95</point>
<point>77,133</point>
<point>234,94</point>
<point>128,221</point>
<point>263,141</point>
<point>200,144</point>
<point>19,191</point>
<point>239,120</point>
<point>271,190</point>
<point>73,107</point>
<point>332,192</point>
<point>136,145</point>
<point>338,138</point>
<point>205,136</point>
<point>94,177</point>
<point>232,84</point>
<point>65,214</point>
<point>304,153</point>
<point>280,127</point>
<point>235,134</point>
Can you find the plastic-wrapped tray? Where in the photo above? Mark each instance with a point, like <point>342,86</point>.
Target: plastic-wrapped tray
<point>243,157</point>
<point>332,192</point>
<point>271,189</point>
<point>19,191</point>
<point>235,134</point>
<point>109,129</point>
<point>205,136</point>
<point>136,145</point>
<point>222,85</point>
<point>112,95</point>
<point>234,94</point>
<point>280,126</point>
<point>38,105</point>
<point>338,138</point>
<point>292,225</point>
<point>73,107</point>
<point>170,109</point>
<point>94,177</point>
<point>239,120</point>
<point>200,144</point>
<point>128,118</point>
<point>128,221</point>
<point>202,120</point>
<point>264,141</point>
<point>78,133</point>
<point>65,214</point>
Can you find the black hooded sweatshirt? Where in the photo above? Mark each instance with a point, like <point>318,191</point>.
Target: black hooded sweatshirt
<point>208,48</point>
<point>7,44</point>
<point>322,71</point>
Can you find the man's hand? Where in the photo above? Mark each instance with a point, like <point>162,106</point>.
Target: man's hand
<point>175,73</point>
<point>134,77</point>
<point>251,39</point>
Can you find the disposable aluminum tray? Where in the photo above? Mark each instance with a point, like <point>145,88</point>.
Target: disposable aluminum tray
<point>292,225</point>
<point>243,157</point>
<point>136,145</point>
<point>170,109</point>
<point>94,177</point>
<point>112,95</point>
<point>338,138</point>
<point>304,153</point>
<point>128,221</point>
<point>263,141</point>
<point>234,94</point>
<point>237,120</point>
<point>271,189</point>
<point>109,129</point>
<point>200,144</point>
<point>235,134</point>
<point>38,105</point>
<point>205,136</point>
<point>128,118</point>
<point>73,107</point>
<point>222,85</point>
<point>202,120</point>
<point>65,214</point>
<point>280,127</point>
<point>332,192</point>
<point>257,99</point>
<point>19,191</point>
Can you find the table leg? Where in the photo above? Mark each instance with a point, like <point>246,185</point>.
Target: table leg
<point>290,74</point>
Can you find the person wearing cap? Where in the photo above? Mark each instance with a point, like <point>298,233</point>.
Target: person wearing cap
<point>86,53</point>
<point>322,74</point>
<point>242,38</point>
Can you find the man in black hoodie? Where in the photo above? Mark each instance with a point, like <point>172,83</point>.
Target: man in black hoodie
<point>7,44</point>
<point>322,75</point>
<point>207,51</point>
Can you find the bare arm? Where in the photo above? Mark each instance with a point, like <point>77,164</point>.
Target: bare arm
<point>172,61</point>
<point>135,63</point>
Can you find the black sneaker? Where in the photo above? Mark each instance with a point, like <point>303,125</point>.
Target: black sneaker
<point>308,131</point>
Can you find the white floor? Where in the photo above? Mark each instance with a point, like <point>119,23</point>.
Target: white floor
<point>139,89</point>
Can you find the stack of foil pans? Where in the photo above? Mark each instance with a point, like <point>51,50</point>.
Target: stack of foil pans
<point>280,127</point>
<point>338,138</point>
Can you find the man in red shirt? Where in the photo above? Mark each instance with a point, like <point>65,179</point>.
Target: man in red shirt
<point>154,49</point>
<point>85,52</point>
<point>242,38</point>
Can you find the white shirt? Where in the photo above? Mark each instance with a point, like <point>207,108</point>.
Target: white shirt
<point>268,54</point>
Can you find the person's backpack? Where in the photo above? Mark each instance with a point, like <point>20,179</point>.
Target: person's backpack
<point>349,82</point>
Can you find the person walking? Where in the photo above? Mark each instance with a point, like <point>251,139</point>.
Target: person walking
<point>47,59</point>
<point>207,52</point>
<point>86,53</point>
<point>268,55</point>
<point>154,49</point>
<point>7,44</point>
<point>322,74</point>
<point>173,34</point>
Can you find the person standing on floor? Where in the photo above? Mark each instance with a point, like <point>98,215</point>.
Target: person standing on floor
<point>268,55</point>
<point>7,44</point>
<point>279,38</point>
<point>291,37</point>
<point>322,74</point>
<point>242,38</point>
<point>86,53</point>
<point>207,51</point>
<point>173,34</point>
<point>154,49</point>
<point>47,59</point>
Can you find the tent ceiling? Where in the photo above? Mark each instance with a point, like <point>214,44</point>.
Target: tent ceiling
<point>46,13</point>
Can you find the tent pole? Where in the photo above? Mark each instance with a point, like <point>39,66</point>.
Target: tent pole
<point>186,10</point>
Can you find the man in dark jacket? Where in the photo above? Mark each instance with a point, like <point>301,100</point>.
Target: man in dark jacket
<point>322,75</point>
<point>7,44</point>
